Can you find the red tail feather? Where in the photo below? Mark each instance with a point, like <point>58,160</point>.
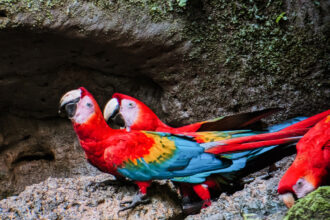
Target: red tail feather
<point>251,145</point>
<point>288,135</point>
<point>265,137</point>
<point>309,122</point>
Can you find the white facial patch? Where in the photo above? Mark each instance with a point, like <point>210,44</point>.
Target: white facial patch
<point>85,108</point>
<point>129,111</point>
<point>302,188</point>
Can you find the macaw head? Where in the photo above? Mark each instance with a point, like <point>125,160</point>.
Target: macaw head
<point>130,113</point>
<point>310,168</point>
<point>297,182</point>
<point>79,106</point>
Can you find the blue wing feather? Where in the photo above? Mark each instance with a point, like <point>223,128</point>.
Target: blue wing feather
<point>188,159</point>
<point>189,162</point>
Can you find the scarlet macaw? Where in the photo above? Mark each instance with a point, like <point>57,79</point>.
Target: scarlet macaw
<point>133,114</point>
<point>310,169</point>
<point>144,156</point>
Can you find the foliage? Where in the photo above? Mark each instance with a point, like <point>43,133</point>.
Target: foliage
<point>281,16</point>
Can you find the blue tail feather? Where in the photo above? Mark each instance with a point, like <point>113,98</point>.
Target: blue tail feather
<point>240,160</point>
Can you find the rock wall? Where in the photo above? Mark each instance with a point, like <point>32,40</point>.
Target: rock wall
<point>199,61</point>
<point>188,60</point>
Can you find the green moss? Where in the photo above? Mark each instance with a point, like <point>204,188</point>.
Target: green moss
<point>41,9</point>
<point>243,37</point>
<point>315,205</point>
<point>158,10</point>
<point>252,41</point>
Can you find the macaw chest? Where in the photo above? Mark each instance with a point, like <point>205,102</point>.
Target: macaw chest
<point>101,164</point>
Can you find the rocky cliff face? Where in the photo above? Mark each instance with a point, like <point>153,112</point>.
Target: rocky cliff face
<point>190,61</point>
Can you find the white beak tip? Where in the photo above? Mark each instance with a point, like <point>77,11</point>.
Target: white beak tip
<point>288,199</point>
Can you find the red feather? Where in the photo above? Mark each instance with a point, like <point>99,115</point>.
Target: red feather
<point>313,158</point>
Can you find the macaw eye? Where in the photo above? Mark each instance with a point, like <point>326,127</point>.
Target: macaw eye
<point>131,105</point>
<point>89,105</point>
<point>299,183</point>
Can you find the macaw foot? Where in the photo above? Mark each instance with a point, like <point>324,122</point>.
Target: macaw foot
<point>191,208</point>
<point>206,203</point>
<point>137,200</point>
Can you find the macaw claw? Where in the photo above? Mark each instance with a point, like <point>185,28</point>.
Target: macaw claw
<point>137,200</point>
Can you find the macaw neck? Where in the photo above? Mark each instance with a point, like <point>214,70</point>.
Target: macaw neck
<point>290,178</point>
<point>163,126</point>
<point>95,129</point>
<point>189,128</point>
<point>158,125</point>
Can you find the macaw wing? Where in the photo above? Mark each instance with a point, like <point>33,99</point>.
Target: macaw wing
<point>238,121</point>
<point>169,157</point>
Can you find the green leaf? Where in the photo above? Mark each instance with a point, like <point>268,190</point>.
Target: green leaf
<point>280,17</point>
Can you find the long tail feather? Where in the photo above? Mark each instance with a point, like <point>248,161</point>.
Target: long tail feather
<point>264,137</point>
<point>289,134</point>
<point>309,121</point>
<point>251,145</point>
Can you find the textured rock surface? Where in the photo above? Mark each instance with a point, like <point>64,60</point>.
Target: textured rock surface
<point>76,198</point>
<point>32,150</point>
<point>79,198</point>
<point>258,199</point>
<point>315,205</point>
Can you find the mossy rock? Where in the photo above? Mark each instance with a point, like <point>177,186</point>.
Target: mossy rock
<point>316,205</point>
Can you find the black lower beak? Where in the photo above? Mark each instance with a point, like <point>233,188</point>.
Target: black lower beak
<point>68,109</point>
<point>117,120</point>
<point>71,109</point>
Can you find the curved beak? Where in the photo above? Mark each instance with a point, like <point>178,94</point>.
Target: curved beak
<point>111,114</point>
<point>111,109</point>
<point>288,199</point>
<point>68,103</point>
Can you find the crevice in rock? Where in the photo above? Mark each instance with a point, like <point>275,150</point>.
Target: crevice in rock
<point>48,156</point>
